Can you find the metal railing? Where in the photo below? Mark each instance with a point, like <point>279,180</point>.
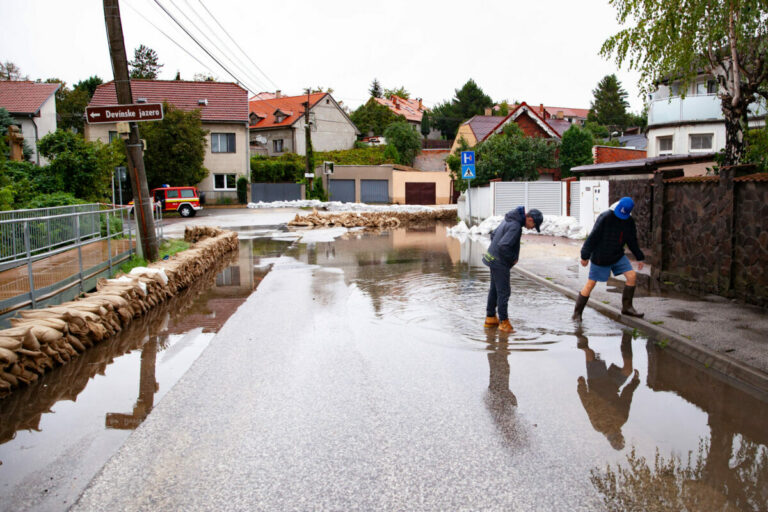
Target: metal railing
<point>63,251</point>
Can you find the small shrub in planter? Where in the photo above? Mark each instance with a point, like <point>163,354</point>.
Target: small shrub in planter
<point>242,190</point>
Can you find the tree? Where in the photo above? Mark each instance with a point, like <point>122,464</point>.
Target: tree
<point>470,100</point>
<point>178,75</point>
<point>757,148</point>
<point>7,120</point>
<point>77,166</point>
<point>320,88</point>
<point>575,149</point>
<point>375,90</point>
<point>425,124</point>
<point>405,139</point>
<point>175,148</point>
<point>512,156</point>
<point>609,106</point>
<point>145,63</point>
<point>400,92</point>
<point>202,77</point>
<point>674,41</point>
<point>71,103</point>
<point>454,165</point>
<point>373,117</point>
<point>89,84</point>
<point>11,72</point>
<point>503,110</point>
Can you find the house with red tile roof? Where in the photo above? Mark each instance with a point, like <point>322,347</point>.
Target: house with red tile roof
<point>223,109</point>
<point>277,124</point>
<point>33,106</point>
<point>413,111</point>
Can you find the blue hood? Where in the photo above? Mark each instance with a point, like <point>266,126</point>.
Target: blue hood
<point>517,214</point>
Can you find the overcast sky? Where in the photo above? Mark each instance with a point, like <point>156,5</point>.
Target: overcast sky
<point>538,51</point>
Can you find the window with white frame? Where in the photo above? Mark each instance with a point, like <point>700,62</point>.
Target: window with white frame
<point>224,182</point>
<point>664,144</point>
<point>701,141</point>
<point>277,145</point>
<point>222,143</point>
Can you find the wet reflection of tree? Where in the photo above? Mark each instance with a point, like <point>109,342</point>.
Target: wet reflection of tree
<point>607,408</point>
<point>713,479</point>
<point>499,399</point>
<point>147,389</point>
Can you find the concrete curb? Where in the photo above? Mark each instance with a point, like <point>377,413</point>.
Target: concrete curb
<point>735,372</point>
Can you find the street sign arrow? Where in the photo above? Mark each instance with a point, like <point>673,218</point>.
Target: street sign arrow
<point>117,113</point>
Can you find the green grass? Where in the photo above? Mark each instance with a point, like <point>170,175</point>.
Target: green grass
<point>657,322</point>
<point>168,248</point>
<point>605,301</point>
<point>669,283</point>
<point>663,343</point>
<point>548,278</point>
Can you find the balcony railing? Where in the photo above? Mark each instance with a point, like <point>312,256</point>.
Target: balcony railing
<point>705,107</point>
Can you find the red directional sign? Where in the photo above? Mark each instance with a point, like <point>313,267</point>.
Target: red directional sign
<point>124,113</point>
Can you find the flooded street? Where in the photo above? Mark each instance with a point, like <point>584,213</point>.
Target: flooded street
<point>359,376</point>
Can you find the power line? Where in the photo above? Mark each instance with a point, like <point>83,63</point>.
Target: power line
<point>238,46</point>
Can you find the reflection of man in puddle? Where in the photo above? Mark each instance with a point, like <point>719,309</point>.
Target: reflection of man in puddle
<point>608,409</point>
<point>499,400</point>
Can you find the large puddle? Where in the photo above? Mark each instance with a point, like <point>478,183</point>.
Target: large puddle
<point>56,434</point>
<point>603,412</point>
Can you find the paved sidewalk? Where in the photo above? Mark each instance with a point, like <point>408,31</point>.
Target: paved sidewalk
<point>736,330</point>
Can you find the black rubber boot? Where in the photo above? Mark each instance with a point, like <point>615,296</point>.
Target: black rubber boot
<point>626,302</point>
<point>581,302</point>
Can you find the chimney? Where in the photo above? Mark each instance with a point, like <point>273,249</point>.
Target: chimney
<point>421,107</point>
<point>394,102</point>
<point>488,111</point>
<point>278,94</point>
<point>560,114</point>
<point>541,110</point>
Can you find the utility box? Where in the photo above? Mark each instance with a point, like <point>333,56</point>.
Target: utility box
<point>593,200</point>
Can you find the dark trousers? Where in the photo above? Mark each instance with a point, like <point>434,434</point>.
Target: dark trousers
<point>498,295</point>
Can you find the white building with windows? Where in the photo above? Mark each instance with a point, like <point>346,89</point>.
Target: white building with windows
<point>224,113</point>
<point>692,124</point>
<point>33,108</point>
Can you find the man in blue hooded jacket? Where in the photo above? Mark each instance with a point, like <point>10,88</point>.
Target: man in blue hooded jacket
<point>604,248</point>
<point>501,257</point>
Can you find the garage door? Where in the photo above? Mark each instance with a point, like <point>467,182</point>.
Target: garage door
<point>374,191</point>
<point>342,190</point>
<point>420,193</point>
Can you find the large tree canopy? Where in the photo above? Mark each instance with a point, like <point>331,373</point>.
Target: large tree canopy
<point>575,148</point>
<point>727,39</point>
<point>405,139</point>
<point>470,100</point>
<point>175,148</point>
<point>373,117</point>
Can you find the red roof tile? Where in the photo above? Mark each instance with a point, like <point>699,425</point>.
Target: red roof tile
<point>226,101</point>
<point>25,97</point>
<point>759,176</point>
<point>693,179</point>
<point>289,105</point>
<point>567,112</point>
<point>482,126</point>
<point>407,108</point>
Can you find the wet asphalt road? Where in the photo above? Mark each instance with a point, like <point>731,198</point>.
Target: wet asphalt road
<point>358,376</point>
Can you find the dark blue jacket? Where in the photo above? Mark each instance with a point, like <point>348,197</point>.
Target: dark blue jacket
<point>505,239</point>
<point>605,244</point>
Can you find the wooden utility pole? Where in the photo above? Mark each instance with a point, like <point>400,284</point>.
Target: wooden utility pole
<point>308,139</point>
<point>142,206</point>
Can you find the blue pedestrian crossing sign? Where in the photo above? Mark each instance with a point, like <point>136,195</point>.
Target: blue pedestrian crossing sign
<point>468,165</point>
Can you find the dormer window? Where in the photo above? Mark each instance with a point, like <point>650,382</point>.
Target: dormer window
<point>281,115</point>
<point>253,118</point>
<point>279,118</point>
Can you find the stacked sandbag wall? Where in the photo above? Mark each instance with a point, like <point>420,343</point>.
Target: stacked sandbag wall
<point>42,339</point>
<point>389,219</point>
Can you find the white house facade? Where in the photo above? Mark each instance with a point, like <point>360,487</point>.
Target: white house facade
<point>33,107</point>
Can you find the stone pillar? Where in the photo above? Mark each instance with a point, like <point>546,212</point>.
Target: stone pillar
<point>657,234</point>
<point>725,194</point>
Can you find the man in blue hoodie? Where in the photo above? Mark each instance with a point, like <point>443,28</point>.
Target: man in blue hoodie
<point>501,257</point>
<point>604,247</point>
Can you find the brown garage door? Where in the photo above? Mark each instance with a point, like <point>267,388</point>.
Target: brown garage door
<point>419,193</point>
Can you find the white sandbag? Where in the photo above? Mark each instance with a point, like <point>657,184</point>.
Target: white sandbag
<point>150,272</point>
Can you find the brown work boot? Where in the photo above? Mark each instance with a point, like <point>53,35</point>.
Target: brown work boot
<point>505,326</point>
<point>491,321</point>
<point>581,302</point>
<point>626,303</point>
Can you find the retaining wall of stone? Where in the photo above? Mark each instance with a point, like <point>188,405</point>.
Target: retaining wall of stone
<point>641,191</point>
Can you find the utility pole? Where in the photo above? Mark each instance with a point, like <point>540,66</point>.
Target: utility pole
<point>308,139</point>
<point>142,206</point>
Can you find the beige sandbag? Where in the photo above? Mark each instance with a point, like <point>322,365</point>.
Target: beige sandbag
<point>9,343</point>
<point>45,334</point>
<point>8,356</point>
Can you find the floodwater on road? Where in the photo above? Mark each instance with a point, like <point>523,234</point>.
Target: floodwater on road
<point>57,433</point>
<point>600,416</point>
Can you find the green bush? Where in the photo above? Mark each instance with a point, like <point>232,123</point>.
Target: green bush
<point>54,199</point>
<point>115,225</point>
<point>242,190</point>
<point>286,168</point>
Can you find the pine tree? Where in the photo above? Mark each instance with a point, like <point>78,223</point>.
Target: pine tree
<point>609,106</point>
<point>376,90</point>
<point>425,124</point>
<point>145,63</point>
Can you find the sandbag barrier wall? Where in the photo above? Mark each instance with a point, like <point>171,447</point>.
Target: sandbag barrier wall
<point>43,339</point>
<point>386,219</point>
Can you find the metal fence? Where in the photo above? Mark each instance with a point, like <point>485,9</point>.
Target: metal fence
<point>46,255</point>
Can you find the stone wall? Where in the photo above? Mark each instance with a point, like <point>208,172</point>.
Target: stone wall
<point>710,234</point>
<point>641,192</point>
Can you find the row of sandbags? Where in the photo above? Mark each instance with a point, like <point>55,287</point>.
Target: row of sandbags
<point>23,409</point>
<point>42,339</point>
<point>391,219</point>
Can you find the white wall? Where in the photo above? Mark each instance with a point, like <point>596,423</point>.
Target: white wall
<point>46,123</point>
<point>332,130</point>
<point>480,199</point>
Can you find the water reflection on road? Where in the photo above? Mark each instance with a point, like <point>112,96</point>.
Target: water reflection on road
<point>56,433</point>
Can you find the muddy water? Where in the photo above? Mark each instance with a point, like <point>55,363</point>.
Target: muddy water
<point>616,419</point>
<point>56,434</point>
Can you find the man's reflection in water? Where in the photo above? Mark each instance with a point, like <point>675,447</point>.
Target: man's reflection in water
<point>607,408</point>
<point>500,401</point>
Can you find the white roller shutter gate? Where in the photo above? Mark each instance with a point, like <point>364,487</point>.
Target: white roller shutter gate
<point>544,196</point>
<point>575,199</point>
